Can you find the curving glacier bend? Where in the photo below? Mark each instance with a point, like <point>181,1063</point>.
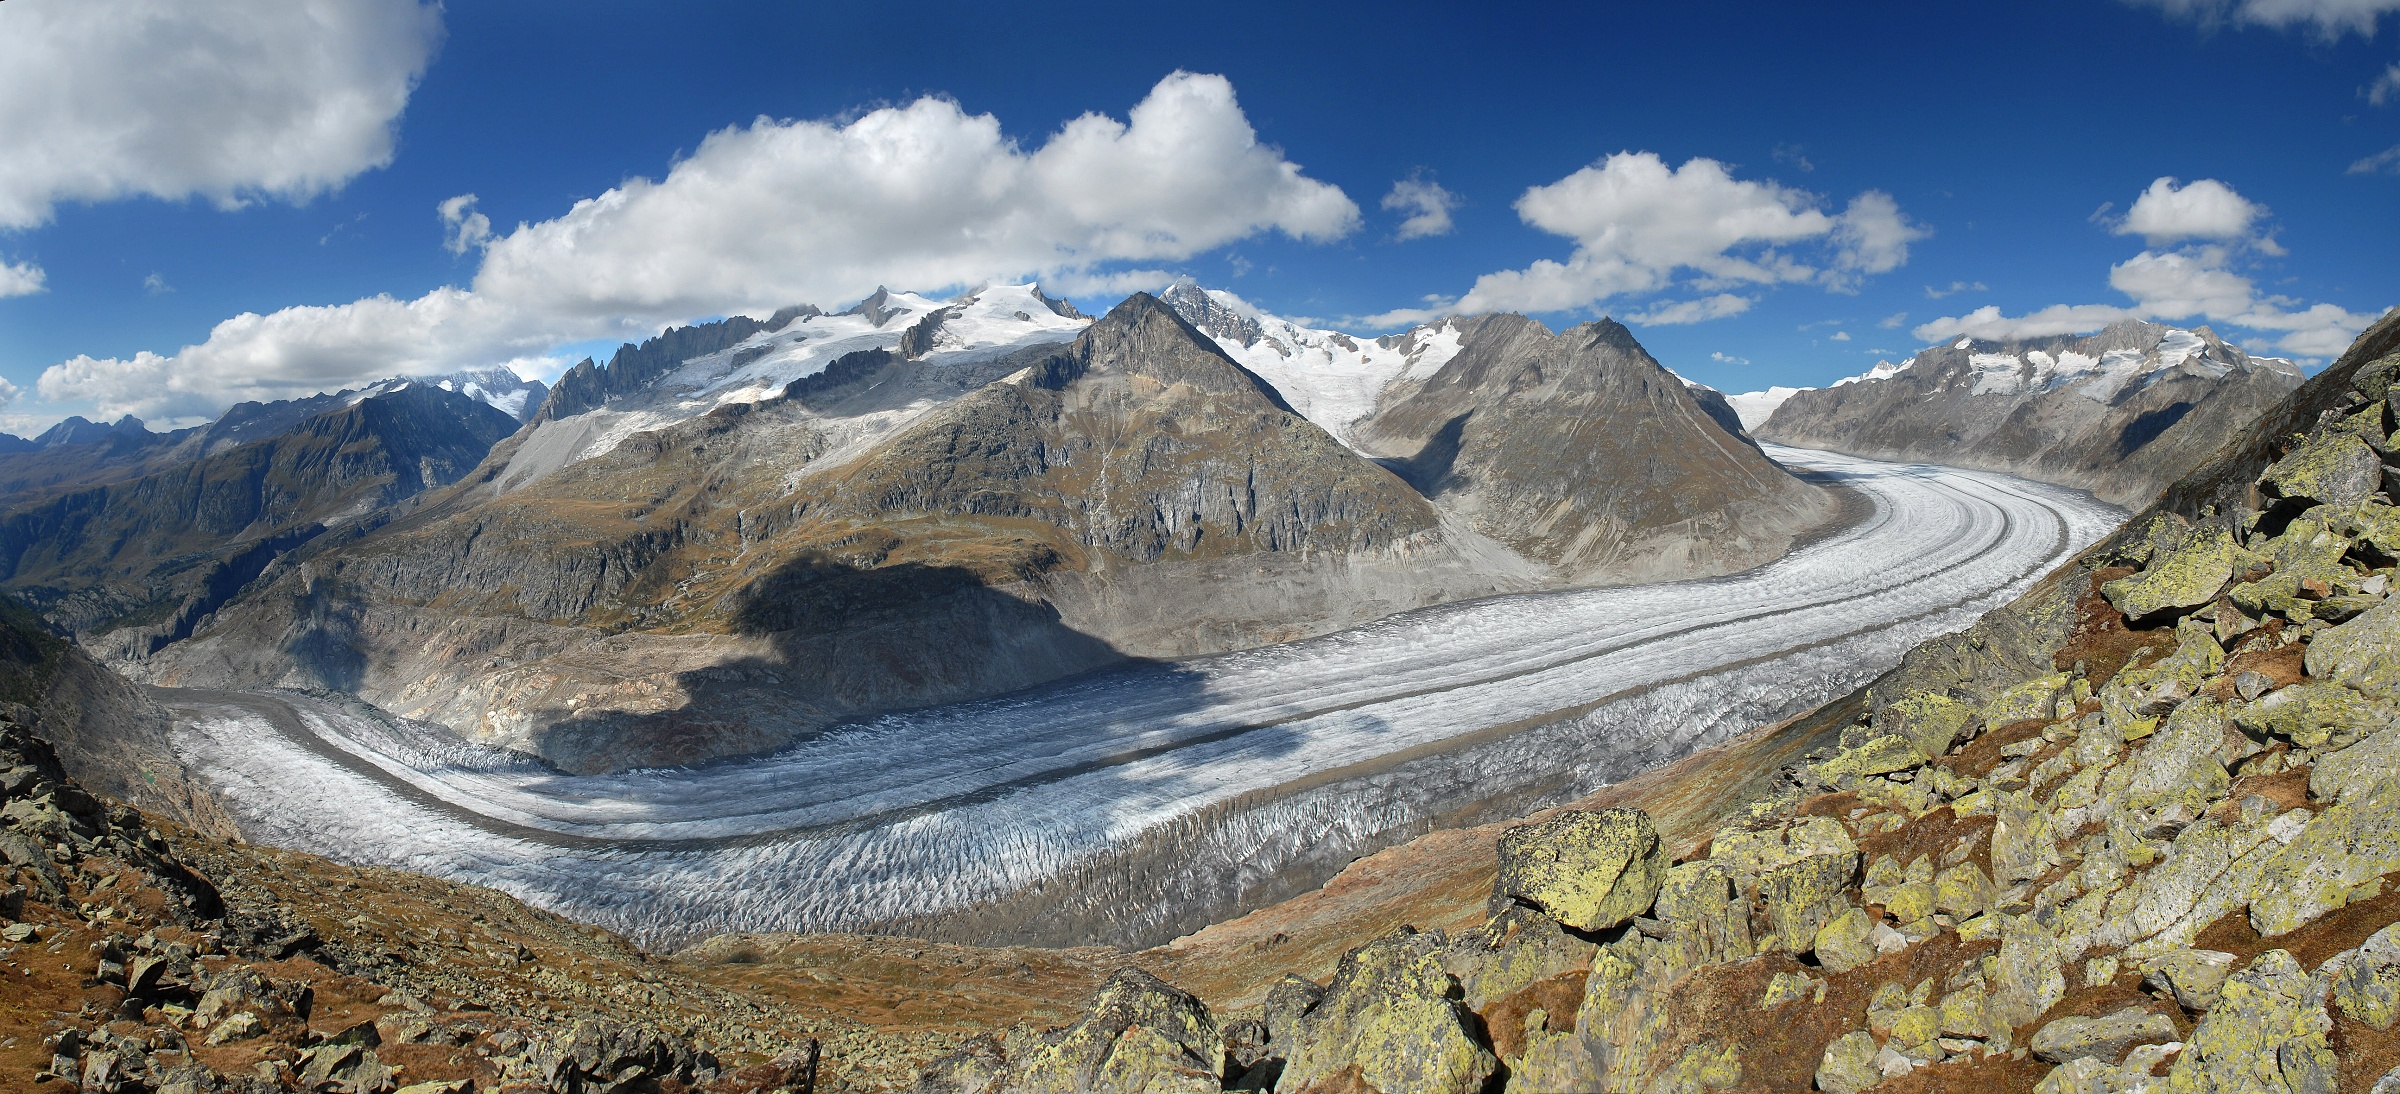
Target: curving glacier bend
<point>1133,805</point>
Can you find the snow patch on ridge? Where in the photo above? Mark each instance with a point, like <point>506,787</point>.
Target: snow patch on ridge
<point>991,322</point>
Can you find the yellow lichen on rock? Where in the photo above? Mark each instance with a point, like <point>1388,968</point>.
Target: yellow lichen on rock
<point>1588,870</point>
<point>2186,575</point>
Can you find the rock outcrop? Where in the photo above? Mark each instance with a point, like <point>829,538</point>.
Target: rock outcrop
<point>142,961</point>
<point>2121,413</point>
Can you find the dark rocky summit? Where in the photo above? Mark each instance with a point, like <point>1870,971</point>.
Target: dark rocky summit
<point>2122,413</point>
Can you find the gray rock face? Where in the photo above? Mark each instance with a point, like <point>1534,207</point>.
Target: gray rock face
<point>2121,413</point>
<point>2105,1037</point>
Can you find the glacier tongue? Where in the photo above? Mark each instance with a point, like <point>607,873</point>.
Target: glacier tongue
<point>1166,795</point>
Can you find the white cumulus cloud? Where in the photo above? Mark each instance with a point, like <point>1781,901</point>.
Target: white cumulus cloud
<point>2206,209</point>
<point>1692,311</point>
<point>2386,87</point>
<point>21,279</point>
<point>2330,18</point>
<point>924,196</point>
<point>1988,322</point>
<point>2199,281</point>
<point>295,352</point>
<point>103,99</point>
<point>2180,284</point>
<point>1427,204</point>
<point>1639,226</point>
<point>2386,162</point>
<point>463,229</point>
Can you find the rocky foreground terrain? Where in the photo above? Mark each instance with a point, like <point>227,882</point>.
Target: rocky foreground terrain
<point>2121,413</point>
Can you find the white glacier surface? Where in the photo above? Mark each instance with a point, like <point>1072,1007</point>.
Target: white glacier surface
<point>1250,762</point>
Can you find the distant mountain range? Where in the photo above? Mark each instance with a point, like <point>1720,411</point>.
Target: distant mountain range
<point>2121,413</point>
<point>740,532</point>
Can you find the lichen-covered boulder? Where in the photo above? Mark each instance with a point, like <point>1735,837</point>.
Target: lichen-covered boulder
<point>1515,948</point>
<point>2377,524</point>
<point>974,1068</point>
<point>2313,715</point>
<point>1801,896</point>
<point>2212,868</point>
<point>1701,1067</point>
<point>2266,1035</point>
<point>1848,1065</point>
<point>2027,976</point>
<point>2034,700</point>
<point>2022,843</point>
<point>2193,977</point>
<point>2180,763</point>
<point>1707,917</point>
<point>2132,702</point>
<point>1877,755</point>
<point>1288,1002</point>
<point>2307,550</point>
<point>1391,1017</point>
<point>1140,1035</point>
<point>2105,1037</point>
<point>1589,870</point>
<point>2353,771</point>
<point>1928,719</point>
<point>2367,989</point>
<point>1962,891</point>
<point>1844,943</point>
<point>1913,898</point>
<point>2363,653</point>
<point>2185,575</point>
<point>2339,857</point>
<point>2331,467</point>
<point>2374,379</point>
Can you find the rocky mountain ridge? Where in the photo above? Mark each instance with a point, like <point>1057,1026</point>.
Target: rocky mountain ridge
<point>2122,413</point>
<point>130,540</point>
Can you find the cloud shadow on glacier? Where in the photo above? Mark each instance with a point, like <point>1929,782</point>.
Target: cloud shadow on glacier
<point>838,642</point>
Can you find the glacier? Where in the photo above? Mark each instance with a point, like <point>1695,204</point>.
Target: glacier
<point>1136,804</point>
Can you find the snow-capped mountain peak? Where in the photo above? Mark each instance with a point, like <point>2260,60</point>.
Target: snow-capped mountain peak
<point>1331,378</point>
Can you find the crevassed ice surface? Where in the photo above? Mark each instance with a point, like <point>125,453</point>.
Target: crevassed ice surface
<point>914,814</point>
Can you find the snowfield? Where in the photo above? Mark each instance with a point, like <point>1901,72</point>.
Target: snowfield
<point>1172,791</point>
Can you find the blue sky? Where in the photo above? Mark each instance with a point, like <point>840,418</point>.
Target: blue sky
<point>273,163</point>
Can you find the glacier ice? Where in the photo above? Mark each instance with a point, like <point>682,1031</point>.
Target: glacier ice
<point>1161,792</point>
